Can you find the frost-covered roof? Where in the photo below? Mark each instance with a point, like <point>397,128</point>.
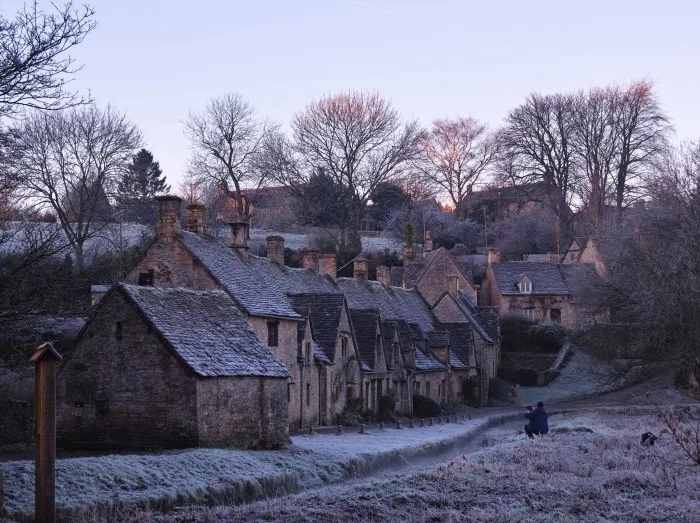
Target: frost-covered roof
<point>426,361</point>
<point>325,310</point>
<point>437,339</point>
<point>478,321</point>
<point>393,303</point>
<point>461,345</point>
<point>545,277</point>
<point>365,324</point>
<point>206,330</point>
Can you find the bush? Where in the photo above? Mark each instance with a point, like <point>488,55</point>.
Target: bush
<point>386,409</point>
<point>501,391</point>
<point>514,333</point>
<point>546,337</point>
<point>424,407</point>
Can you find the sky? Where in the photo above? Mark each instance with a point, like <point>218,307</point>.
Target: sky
<point>157,60</point>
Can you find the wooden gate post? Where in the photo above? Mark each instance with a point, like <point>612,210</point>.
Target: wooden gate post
<point>44,360</point>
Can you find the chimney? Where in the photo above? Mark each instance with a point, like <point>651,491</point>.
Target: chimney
<point>194,214</point>
<point>418,250</point>
<point>384,275</point>
<point>494,256</point>
<point>427,242</point>
<point>359,270</point>
<point>275,249</point>
<point>452,283</point>
<point>309,259</point>
<point>168,215</point>
<point>239,238</point>
<point>326,265</point>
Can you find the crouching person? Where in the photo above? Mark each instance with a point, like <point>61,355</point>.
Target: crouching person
<point>537,424</point>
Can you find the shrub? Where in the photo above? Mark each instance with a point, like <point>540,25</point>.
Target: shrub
<point>386,409</point>
<point>546,337</point>
<point>502,391</point>
<point>514,332</point>
<point>424,407</point>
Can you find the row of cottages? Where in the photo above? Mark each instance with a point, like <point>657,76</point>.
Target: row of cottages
<point>550,290</point>
<point>325,345</point>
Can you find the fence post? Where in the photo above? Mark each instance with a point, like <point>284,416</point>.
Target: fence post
<point>44,360</point>
<point>2,496</point>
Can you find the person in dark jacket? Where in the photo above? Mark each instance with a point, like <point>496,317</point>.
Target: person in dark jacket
<point>537,423</point>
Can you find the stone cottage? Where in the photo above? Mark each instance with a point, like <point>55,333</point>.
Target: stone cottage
<point>170,367</point>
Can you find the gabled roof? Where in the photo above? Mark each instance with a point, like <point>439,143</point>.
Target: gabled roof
<point>461,345</point>
<point>239,277</point>
<point>580,277</point>
<point>438,339</point>
<point>364,323</point>
<point>393,303</point>
<point>414,270</point>
<point>546,278</point>
<point>425,361</point>
<point>462,300</point>
<point>205,330</point>
<point>325,311</point>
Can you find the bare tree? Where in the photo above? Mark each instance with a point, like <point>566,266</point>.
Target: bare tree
<point>355,138</point>
<point>70,160</point>
<point>226,138</point>
<point>642,130</point>
<point>34,65</point>
<point>537,146</point>
<point>596,146</point>
<point>455,154</point>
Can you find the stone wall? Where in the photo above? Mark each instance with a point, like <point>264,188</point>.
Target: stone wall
<point>344,377</point>
<point>248,412</point>
<point>447,311</point>
<point>130,392</point>
<point>172,266</point>
<point>440,385</point>
<point>433,282</point>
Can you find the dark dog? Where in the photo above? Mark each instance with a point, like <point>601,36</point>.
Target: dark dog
<point>648,439</point>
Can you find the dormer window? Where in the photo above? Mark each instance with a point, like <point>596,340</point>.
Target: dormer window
<point>525,285</point>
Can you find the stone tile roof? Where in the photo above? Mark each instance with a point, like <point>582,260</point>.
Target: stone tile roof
<point>438,339</point>
<point>393,303</point>
<point>206,331</point>
<point>364,323</point>
<point>579,278</point>
<point>461,345</point>
<point>242,279</point>
<point>426,361</point>
<point>546,278</point>
<point>488,318</point>
<point>325,310</point>
<point>464,303</point>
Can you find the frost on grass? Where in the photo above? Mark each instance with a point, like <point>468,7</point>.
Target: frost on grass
<point>590,468</point>
<point>215,476</point>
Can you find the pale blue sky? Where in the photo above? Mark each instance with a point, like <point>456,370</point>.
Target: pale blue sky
<point>158,59</point>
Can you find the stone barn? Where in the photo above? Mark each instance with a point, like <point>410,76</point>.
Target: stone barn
<point>170,367</point>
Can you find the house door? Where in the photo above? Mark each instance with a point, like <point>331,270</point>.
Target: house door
<point>555,315</point>
<point>322,396</point>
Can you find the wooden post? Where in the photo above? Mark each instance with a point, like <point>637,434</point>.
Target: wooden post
<point>44,360</point>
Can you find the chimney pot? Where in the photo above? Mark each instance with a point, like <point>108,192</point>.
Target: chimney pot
<point>494,256</point>
<point>275,249</point>
<point>384,275</point>
<point>168,215</point>
<point>239,238</point>
<point>327,265</point>
<point>194,214</point>
<point>309,259</point>
<point>360,268</point>
<point>427,242</point>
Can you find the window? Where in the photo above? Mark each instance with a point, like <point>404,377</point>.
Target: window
<point>427,388</point>
<point>439,391</point>
<point>146,279</point>
<point>272,333</point>
<point>102,404</point>
<point>525,287</point>
<point>308,393</point>
<point>529,314</point>
<point>78,409</point>
<point>555,315</point>
<point>118,331</point>
<point>344,346</point>
<point>416,388</point>
<point>574,256</point>
<point>307,352</point>
<point>289,392</point>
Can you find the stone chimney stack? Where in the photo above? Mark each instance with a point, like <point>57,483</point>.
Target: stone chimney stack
<point>168,215</point>
<point>275,249</point>
<point>384,275</point>
<point>494,256</point>
<point>326,265</point>
<point>452,283</point>
<point>239,238</point>
<point>194,214</point>
<point>359,270</point>
<point>309,259</point>
<point>427,242</point>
